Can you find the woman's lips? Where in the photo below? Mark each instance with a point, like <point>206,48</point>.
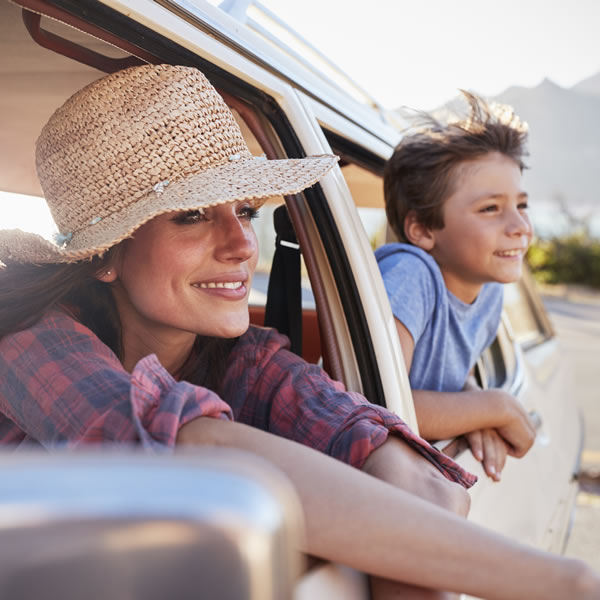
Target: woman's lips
<point>230,285</point>
<point>231,290</point>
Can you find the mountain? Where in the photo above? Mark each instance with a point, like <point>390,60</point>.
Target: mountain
<point>589,86</point>
<point>564,140</point>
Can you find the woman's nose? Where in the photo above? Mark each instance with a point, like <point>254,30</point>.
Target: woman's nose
<point>236,240</point>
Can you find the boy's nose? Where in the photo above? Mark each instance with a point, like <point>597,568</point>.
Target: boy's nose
<point>519,224</point>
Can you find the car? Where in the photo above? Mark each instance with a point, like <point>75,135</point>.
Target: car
<point>328,297</point>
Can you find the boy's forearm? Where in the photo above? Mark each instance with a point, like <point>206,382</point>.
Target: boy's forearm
<point>443,415</point>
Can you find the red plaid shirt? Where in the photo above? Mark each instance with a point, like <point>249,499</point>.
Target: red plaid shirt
<point>60,384</point>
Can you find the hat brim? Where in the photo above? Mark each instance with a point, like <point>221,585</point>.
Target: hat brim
<point>252,179</point>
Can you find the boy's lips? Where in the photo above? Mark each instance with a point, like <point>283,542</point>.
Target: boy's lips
<point>514,252</point>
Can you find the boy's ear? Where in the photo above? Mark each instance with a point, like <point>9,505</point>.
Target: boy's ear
<point>417,233</point>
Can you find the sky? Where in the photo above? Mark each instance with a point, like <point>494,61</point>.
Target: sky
<point>418,53</point>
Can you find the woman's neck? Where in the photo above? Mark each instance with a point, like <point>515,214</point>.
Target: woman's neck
<point>171,350</point>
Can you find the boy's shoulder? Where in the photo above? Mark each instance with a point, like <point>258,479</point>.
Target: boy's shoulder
<point>412,279</point>
<point>401,256</point>
<point>399,249</point>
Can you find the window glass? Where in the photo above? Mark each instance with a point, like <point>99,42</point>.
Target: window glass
<point>266,237</point>
<point>265,233</point>
<point>367,191</point>
<point>525,326</point>
<point>365,186</point>
<point>375,223</point>
<point>497,364</point>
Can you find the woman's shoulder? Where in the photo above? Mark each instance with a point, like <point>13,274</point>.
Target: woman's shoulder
<point>58,320</point>
<point>58,330</point>
<point>260,353</point>
<point>264,340</point>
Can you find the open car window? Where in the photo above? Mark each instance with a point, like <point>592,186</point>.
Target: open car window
<point>64,58</point>
<point>530,324</point>
<point>500,365</point>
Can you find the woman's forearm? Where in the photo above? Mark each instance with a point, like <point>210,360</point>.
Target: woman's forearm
<point>355,519</point>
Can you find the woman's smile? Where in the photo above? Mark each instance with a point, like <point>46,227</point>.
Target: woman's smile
<point>234,286</point>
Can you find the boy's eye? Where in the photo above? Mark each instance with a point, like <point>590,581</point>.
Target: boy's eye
<point>489,208</point>
<point>523,205</point>
<point>189,217</point>
<point>248,212</point>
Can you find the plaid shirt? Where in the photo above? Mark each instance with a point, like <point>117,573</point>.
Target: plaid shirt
<point>60,384</point>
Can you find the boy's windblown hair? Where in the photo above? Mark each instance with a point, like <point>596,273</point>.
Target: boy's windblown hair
<point>422,171</point>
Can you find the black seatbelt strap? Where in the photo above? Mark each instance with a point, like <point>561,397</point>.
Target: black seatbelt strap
<point>284,295</point>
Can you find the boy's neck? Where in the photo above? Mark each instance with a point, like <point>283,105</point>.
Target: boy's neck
<point>465,291</point>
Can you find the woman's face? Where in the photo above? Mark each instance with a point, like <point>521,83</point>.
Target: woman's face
<point>187,273</point>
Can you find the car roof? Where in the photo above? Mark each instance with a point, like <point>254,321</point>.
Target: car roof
<point>36,81</point>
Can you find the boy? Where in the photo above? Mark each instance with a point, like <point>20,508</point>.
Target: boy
<point>454,200</point>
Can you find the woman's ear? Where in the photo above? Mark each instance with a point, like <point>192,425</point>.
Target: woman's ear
<point>107,274</point>
<point>417,233</point>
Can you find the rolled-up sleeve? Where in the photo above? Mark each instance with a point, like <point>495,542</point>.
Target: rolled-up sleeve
<point>287,396</point>
<point>60,384</point>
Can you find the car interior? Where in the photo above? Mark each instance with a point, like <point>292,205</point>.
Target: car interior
<point>57,54</point>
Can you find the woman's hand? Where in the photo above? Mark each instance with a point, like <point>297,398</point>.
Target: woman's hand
<point>490,449</point>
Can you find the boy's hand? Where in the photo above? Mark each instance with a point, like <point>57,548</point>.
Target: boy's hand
<point>515,426</point>
<point>490,449</point>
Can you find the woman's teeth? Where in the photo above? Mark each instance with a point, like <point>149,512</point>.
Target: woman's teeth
<point>230,285</point>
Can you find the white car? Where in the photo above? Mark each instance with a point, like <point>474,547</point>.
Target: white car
<point>291,102</point>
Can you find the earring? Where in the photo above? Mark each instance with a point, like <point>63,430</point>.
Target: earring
<point>109,273</point>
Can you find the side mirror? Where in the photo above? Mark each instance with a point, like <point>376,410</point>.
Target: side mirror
<point>122,525</point>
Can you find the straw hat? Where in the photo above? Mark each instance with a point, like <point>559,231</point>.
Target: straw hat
<point>139,143</point>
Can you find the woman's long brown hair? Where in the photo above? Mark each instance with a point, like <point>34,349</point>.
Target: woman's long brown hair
<point>28,291</point>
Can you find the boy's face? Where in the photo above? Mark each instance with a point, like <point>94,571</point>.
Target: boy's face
<point>486,227</point>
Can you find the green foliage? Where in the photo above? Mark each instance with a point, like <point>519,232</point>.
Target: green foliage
<point>570,259</point>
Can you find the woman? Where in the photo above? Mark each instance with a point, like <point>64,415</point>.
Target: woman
<point>134,327</point>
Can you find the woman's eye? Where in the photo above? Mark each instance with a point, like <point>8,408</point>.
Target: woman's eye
<point>489,208</point>
<point>523,205</point>
<point>248,212</point>
<point>189,217</point>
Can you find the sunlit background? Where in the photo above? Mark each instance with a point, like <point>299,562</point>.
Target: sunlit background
<point>417,54</point>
